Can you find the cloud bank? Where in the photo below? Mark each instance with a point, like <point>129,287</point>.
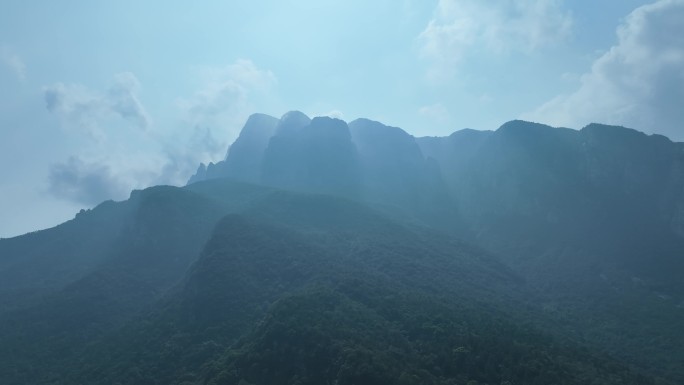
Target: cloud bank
<point>224,96</point>
<point>80,106</point>
<point>461,27</point>
<point>208,119</point>
<point>214,115</point>
<point>85,183</point>
<point>638,82</point>
<point>181,161</point>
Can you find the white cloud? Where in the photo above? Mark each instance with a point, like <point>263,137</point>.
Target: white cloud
<point>75,104</point>
<point>182,160</point>
<point>86,183</point>
<point>224,98</point>
<point>215,112</point>
<point>639,82</point>
<point>159,155</point>
<point>122,98</point>
<point>460,27</point>
<point>91,179</point>
<point>14,63</point>
<point>80,106</point>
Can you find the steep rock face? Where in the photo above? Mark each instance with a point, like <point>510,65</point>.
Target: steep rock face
<point>396,173</point>
<point>515,180</point>
<point>591,215</point>
<point>394,169</point>
<point>365,160</point>
<point>455,149</point>
<point>567,187</point>
<point>280,165</point>
<point>318,157</point>
<point>525,190</point>
<point>200,174</point>
<point>640,171</point>
<point>529,190</point>
<point>245,155</point>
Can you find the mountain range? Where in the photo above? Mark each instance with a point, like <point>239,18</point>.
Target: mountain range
<point>324,252</point>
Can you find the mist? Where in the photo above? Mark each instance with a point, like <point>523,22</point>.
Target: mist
<point>264,193</point>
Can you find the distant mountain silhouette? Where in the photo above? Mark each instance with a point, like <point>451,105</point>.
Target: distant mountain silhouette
<point>324,252</point>
<point>607,190</point>
<point>364,160</point>
<point>565,186</point>
<point>245,155</point>
<point>317,157</point>
<point>580,212</point>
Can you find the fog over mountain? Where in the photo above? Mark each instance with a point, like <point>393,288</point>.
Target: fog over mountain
<point>320,251</point>
<point>139,100</point>
<point>470,193</point>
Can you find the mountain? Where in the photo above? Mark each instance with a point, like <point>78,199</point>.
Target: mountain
<point>363,160</point>
<point>395,172</point>
<point>136,251</point>
<point>316,157</point>
<point>298,288</point>
<point>602,190</point>
<point>568,186</point>
<point>325,252</point>
<point>245,155</point>
<point>591,217</point>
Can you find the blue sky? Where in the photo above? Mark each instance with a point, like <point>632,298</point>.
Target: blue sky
<point>97,98</point>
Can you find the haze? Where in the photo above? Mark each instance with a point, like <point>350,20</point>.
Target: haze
<point>98,98</point>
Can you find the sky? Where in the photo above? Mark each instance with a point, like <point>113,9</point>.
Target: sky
<point>101,97</point>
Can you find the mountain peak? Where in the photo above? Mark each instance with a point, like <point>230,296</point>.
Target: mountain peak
<point>257,125</point>
<point>612,132</point>
<point>522,125</point>
<point>327,119</point>
<point>295,114</point>
<point>363,124</point>
<point>292,121</point>
<point>330,128</point>
<point>259,119</point>
<point>365,121</point>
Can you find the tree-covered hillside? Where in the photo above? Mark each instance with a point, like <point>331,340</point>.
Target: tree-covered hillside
<point>321,252</point>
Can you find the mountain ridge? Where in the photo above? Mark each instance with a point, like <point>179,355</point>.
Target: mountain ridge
<point>560,248</point>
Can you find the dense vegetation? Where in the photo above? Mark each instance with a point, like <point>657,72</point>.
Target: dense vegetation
<point>557,262</point>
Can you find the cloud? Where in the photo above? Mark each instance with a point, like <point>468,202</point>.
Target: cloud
<point>123,100</point>
<point>140,158</point>
<point>214,115</point>
<point>86,183</point>
<point>461,27</point>
<point>638,82</point>
<point>78,105</point>
<point>182,161</point>
<point>14,63</point>
<point>224,98</point>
